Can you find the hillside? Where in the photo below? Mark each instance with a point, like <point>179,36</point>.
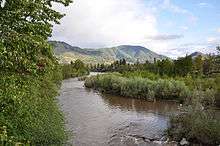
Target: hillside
<point>132,54</point>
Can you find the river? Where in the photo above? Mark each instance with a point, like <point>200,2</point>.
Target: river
<point>94,119</point>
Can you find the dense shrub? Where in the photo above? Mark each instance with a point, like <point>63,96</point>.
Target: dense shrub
<point>196,126</point>
<point>138,87</point>
<point>29,109</point>
<point>198,122</point>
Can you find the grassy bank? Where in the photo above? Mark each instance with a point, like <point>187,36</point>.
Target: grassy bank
<point>139,87</point>
<point>202,84</point>
<point>29,110</point>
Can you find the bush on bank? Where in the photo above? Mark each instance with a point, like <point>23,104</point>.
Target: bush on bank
<point>29,110</point>
<point>139,87</point>
<point>202,127</point>
<point>198,122</point>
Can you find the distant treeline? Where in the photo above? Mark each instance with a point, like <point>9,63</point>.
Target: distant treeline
<point>74,69</point>
<point>182,66</point>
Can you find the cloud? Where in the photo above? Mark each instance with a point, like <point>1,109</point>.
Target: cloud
<point>204,5</point>
<point>218,30</point>
<point>168,5</point>
<point>165,37</point>
<point>101,23</point>
<point>184,27</point>
<point>213,40</point>
<point>106,23</point>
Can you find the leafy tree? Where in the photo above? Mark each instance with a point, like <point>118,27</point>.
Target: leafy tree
<point>183,66</point>
<point>198,65</point>
<point>208,65</point>
<point>78,64</point>
<point>165,67</point>
<point>25,26</point>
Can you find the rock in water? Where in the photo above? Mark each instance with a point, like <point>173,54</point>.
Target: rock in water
<point>184,142</point>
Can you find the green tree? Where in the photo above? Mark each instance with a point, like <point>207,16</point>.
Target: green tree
<point>165,67</point>
<point>78,64</point>
<point>25,26</point>
<point>183,66</point>
<point>208,65</point>
<point>198,65</point>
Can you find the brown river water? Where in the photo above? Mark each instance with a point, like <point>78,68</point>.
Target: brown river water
<point>94,119</point>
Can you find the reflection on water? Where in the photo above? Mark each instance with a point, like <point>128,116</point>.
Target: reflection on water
<point>101,120</point>
<point>139,105</point>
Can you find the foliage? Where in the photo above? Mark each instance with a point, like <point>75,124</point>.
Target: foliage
<point>138,87</point>
<point>24,29</point>
<point>142,74</point>
<point>29,73</point>
<point>76,69</point>
<point>197,122</point>
<point>29,109</point>
<point>197,126</point>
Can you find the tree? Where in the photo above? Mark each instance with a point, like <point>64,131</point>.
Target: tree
<point>165,67</point>
<point>198,65</point>
<point>25,26</point>
<point>123,62</point>
<point>183,66</point>
<point>78,64</point>
<point>208,65</point>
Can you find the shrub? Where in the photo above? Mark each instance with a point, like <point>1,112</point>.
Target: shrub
<point>198,123</point>
<point>171,89</point>
<point>29,109</point>
<point>196,126</point>
<point>138,87</point>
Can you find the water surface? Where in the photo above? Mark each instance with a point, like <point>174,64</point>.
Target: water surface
<point>95,119</point>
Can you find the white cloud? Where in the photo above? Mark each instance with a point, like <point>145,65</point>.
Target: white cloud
<point>164,37</point>
<point>213,40</point>
<point>167,4</point>
<point>218,30</point>
<point>184,27</point>
<point>106,23</point>
<point>100,23</point>
<point>204,5</point>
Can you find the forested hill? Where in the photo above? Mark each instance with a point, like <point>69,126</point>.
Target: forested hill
<point>132,54</point>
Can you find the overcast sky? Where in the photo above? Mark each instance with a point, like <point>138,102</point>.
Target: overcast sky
<point>169,27</point>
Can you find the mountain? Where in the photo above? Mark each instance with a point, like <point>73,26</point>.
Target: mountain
<point>196,54</point>
<point>132,54</point>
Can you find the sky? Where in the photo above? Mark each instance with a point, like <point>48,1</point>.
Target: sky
<point>169,27</point>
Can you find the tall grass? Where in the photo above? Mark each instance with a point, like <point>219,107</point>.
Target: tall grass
<point>138,87</point>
